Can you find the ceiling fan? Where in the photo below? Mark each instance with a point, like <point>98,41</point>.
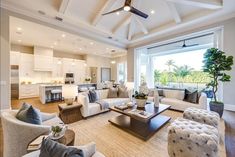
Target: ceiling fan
<point>128,8</point>
<point>185,45</point>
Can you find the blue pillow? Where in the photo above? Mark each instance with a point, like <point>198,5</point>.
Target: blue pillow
<point>29,114</point>
<point>50,148</point>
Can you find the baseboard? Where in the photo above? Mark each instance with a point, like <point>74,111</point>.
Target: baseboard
<point>229,107</point>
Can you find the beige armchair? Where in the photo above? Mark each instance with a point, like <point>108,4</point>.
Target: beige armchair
<point>18,134</point>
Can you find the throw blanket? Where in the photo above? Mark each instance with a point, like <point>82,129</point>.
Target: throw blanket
<point>103,104</point>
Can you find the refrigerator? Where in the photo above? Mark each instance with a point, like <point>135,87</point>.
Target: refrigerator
<point>14,81</point>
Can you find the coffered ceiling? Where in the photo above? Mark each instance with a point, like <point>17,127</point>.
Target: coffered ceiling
<point>124,29</point>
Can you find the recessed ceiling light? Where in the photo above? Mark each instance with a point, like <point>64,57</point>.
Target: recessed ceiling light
<point>63,35</point>
<point>85,64</point>
<point>91,43</point>
<point>113,62</point>
<point>118,13</point>
<point>19,41</point>
<point>19,29</point>
<point>152,11</point>
<point>55,43</point>
<point>107,48</point>
<point>80,49</point>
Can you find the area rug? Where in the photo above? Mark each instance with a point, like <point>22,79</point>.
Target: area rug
<point>114,142</point>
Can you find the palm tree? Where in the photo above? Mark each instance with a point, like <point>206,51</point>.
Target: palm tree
<point>182,72</point>
<point>170,63</point>
<point>157,75</point>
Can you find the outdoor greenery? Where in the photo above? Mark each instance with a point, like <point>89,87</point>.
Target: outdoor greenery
<point>179,75</point>
<point>216,63</point>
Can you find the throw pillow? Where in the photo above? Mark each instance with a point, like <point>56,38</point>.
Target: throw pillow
<point>92,96</point>
<point>122,92</point>
<point>113,93</point>
<point>50,148</point>
<point>191,96</point>
<point>30,115</point>
<point>23,107</point>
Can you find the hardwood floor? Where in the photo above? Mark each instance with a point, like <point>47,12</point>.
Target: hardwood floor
<point>52,107</point>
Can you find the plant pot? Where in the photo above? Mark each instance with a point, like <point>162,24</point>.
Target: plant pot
<point>141,102</point>
<point>217,107</point>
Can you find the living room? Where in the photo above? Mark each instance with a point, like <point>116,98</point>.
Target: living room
<point>140,85</point>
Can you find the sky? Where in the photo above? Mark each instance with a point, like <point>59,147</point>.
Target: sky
<point>191,58</point>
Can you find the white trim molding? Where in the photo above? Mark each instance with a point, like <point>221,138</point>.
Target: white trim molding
<point>229,107</point>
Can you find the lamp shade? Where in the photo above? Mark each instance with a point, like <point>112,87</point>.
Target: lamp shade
<point>69,91</point>
<point>130,85</point>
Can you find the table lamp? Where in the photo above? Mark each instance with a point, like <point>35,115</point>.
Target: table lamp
<point>69,92</point>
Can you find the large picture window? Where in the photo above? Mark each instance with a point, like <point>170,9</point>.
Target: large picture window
<point>177,64</point>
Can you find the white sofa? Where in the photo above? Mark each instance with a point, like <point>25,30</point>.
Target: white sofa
<point>88,149</point>
<point>18,134</point>
<point>175,99</point>
<point>89,109</point>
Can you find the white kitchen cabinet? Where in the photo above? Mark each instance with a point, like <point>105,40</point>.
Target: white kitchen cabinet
<point>43,59</point>
<point>28,91</point>
<point>26,66</point>
<point>74,66</point>
<point>14,58</point>
<point>57,68</point>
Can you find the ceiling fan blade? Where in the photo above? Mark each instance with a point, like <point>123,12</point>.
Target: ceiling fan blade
<point>138,12</point>
<point>116,10</point>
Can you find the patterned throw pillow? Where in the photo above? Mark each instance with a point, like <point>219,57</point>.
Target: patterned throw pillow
<point>113,93</point>
<point>122,92</point>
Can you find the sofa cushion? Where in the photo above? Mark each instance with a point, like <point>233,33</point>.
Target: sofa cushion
<point>122,92</point>
<point>50,148</point>
<point>116,101</point>
<point>191,96</point>
<point>113,93</point>
<point>176,94</point>
<point>29,114</point>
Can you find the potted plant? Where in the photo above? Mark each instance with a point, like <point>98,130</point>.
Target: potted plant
<point>57,131</point>
<point>140,99</point>
<point>216,63</point>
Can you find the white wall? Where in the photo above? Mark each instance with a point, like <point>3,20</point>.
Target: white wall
<point>117,60</point>
<point>99,62</point>
<point>228,47</point>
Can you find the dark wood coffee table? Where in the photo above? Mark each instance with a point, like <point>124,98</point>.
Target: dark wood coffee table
<point>141,127</point>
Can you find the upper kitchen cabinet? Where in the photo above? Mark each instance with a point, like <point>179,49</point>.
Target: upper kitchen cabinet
<point>14,58</point>
<point>43,59</point>
<point>26,65</point>
<point>76,67</point>
<point>57,68</point>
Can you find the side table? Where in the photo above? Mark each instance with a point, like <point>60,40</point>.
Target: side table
<point>70,113</point>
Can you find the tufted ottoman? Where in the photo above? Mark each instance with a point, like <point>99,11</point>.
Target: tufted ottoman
<point>202,116</point>
<point>188,138</point>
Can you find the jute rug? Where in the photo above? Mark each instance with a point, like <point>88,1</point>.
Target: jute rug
<point>114,142</point>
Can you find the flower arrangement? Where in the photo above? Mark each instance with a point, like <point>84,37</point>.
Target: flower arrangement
<point>140,95</point>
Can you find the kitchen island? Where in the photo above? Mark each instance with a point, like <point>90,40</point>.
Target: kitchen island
<point>50,93</point>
